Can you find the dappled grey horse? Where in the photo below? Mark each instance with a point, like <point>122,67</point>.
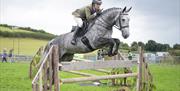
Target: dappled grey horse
<point>98,35</point>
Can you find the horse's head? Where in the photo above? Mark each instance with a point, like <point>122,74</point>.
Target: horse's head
<point>122,22</point>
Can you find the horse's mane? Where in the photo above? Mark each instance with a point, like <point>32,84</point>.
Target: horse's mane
<point>104,12</point>
<point>110,9</point>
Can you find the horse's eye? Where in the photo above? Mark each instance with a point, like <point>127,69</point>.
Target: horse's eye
<point>123,20</point>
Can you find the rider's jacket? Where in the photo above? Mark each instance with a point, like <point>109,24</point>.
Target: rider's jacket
<point>85,13</point>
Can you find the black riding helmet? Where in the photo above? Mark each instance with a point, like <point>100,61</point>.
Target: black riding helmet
<point>97,2</point>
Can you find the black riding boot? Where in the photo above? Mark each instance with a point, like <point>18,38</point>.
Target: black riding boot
<point>75,35</point>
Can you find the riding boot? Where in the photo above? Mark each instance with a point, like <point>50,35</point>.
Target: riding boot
<point>75,35</point>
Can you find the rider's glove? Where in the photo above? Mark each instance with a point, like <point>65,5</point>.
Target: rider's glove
<point>99,12</point>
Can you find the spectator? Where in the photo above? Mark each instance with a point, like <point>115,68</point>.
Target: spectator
<point>4,56</point>
<point>100,54</point>
<point>11,55</point>
<point>129,55</point>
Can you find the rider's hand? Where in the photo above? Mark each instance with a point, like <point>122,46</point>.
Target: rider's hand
<point>99,12</point>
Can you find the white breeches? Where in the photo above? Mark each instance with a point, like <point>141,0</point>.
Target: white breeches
<point>78,21</point>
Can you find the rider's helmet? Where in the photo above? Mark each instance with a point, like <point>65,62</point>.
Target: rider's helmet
<point>97,2</point>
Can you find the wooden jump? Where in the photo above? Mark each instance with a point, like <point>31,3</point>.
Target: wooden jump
<point>50,66</point>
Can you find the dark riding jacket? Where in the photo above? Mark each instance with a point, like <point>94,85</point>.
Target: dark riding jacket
<point>85,13</point>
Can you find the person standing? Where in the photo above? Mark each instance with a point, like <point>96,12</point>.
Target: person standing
<point>11,55</point>
<point>130,55</point>
<point>4,56</point>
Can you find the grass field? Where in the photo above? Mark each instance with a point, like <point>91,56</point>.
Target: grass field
<point>14,77</point>
<point>166,77</point>
<point>26,46</point>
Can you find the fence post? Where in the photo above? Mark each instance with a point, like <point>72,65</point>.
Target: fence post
<point>55,60</point>
<point>45,77</point>
<point>50,71</point>
<point>139,70</point>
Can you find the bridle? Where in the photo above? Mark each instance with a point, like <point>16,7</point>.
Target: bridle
<point>120,23</point>
<point>110,25</point>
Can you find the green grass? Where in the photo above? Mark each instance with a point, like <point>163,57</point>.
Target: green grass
<point>166,77</point>
<point>14,77</point>
<point>27,46</point>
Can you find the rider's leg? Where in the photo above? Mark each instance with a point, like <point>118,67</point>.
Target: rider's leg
<point>76,31</point>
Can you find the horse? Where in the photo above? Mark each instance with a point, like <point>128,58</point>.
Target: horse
<point>98,35</point>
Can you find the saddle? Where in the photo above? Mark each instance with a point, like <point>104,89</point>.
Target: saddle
<point>82,30</point>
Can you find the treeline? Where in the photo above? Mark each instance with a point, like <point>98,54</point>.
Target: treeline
<point>151,46</point>
<point>34,33</point>
<point>23,28</point>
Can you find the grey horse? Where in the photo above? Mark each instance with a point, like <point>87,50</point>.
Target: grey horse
<point>98,35</point>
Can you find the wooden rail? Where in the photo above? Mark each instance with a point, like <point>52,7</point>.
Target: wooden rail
<point>95,78</point>
<point>96,65</point>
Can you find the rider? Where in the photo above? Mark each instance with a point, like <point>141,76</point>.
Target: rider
<point>86,13</point>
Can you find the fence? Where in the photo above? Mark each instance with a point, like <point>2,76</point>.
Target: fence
<point>47,74</point>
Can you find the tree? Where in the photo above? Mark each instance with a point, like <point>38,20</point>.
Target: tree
<point>159,47</point>
<point>134,46</point>
<point>125,46</point>
<point>176,46</point>
<point>151,46</point>
<point>166,47</point>
<point>141,44</point>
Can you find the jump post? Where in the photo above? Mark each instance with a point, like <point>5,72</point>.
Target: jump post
<point>47,74</point>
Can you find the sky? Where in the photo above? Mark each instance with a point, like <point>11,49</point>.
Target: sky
<point>157,20</point>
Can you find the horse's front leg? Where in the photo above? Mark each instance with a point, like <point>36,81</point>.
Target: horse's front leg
<point>116,47</point>
<point>107,41</point>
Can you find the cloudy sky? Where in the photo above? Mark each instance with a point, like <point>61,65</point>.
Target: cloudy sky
<point>158,20</point>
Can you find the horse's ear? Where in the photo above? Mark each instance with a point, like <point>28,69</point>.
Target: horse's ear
<point>124,9</point>
<point>128,10</point>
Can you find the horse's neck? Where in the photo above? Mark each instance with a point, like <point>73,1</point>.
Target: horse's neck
<point>108,18</point>
<point>103,24</point>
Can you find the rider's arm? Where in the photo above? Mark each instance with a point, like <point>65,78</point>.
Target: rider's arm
<point>88,14</point>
